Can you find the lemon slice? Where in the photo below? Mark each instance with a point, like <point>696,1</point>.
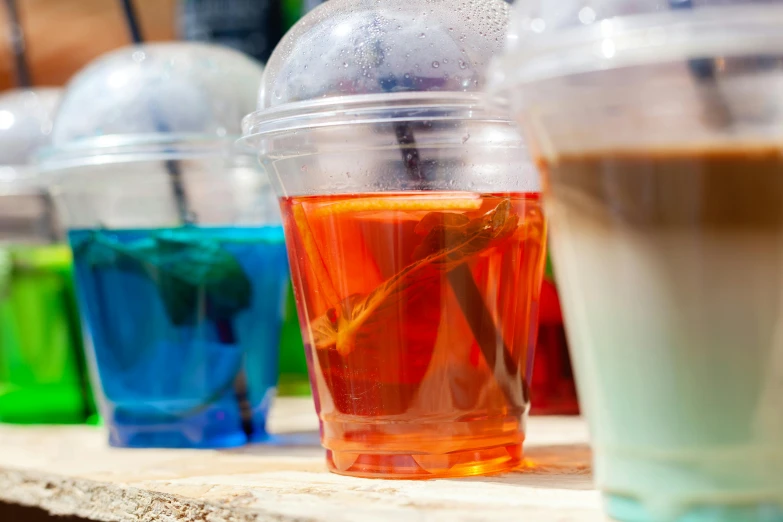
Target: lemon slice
<point>425,203</point>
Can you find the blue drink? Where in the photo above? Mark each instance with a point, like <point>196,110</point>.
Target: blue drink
<point>183,327</point>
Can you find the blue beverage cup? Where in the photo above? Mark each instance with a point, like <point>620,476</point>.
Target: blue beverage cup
<point>657,125</point>
<point>179,256</point>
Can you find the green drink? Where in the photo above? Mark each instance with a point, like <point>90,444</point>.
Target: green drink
<point>41,371</point>
<point>293,364</point>
<point>42,376</point>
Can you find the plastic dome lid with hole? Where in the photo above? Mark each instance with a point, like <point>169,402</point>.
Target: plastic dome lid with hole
<point>151,101</point>
<point>352,55</point>
<point>548,39</point>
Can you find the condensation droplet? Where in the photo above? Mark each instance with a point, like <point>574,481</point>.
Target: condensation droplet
<point>435,65</point>
<point>422,35</point>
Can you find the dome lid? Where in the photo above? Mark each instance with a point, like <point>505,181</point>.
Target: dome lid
<point>549,39</point>
<point>26,117</point>
<point>162,99</point>
<point>353,56</point>
<point>25,123</point>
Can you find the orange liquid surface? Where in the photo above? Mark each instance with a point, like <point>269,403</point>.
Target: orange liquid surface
<point>419,315</point>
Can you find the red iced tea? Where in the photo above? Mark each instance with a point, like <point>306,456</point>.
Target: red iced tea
<point>419,314</point>
<point>554,390</point>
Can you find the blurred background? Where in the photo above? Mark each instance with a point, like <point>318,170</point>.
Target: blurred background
<point>44,42</point>
<point>61,36</point>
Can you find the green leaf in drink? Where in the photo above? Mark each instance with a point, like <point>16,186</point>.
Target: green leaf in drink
<point>187,270</point>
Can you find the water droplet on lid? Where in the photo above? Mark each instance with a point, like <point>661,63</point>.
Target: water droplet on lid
<point>345,64</point>
<point>422,35</point>
<point>435,65</point>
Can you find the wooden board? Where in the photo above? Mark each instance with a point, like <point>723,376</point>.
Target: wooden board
<point>63,36</point>
<point>71,471</point>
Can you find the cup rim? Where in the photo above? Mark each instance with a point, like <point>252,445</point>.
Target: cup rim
<point>642,39</point>
<point>367,108</point>
<point>121,148</point>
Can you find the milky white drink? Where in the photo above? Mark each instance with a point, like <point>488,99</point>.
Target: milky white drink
<point>680,257</point>
<point>658,125</point>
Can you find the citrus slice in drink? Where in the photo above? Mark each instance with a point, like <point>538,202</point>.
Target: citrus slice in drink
<point>391,202</point>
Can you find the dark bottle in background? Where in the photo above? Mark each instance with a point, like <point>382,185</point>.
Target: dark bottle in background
<point>293,10</point>
<point>251,26</point>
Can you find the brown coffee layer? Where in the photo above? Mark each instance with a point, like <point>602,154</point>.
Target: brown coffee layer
<point>731,189</point>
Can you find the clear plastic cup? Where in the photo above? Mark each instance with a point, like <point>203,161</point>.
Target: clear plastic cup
<point>414,232</point>
<point>42,371</point>
<point>178,247</point>
<point>658,129</point>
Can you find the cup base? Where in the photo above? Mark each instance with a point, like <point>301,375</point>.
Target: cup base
<point>425,466</point>
<point>127,437</point>
<point>43,405</point>
<point>624,509</point>
<point>212,428</point>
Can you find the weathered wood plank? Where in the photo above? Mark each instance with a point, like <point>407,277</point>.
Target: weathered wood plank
<point>71,471</point>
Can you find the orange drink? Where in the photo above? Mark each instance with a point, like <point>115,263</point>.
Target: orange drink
<point>419,313</point>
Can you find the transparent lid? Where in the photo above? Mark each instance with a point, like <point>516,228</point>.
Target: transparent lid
<point>163,99</point>
<point>25,126</point>
<point>364,53</point>
<point>555,38</point>
<point>26,210</point>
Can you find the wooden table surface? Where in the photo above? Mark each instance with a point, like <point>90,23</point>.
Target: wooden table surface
<point>71,471</point>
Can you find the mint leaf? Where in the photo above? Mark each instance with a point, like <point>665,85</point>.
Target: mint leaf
<point>184,268</point>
